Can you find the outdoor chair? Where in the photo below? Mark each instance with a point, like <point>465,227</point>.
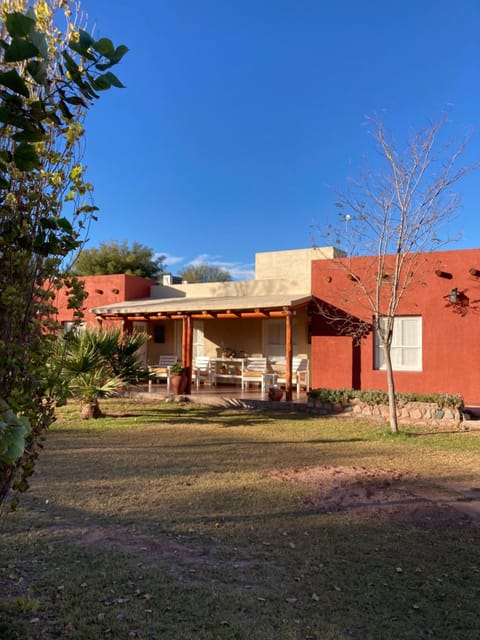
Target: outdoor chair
<point>202,371</point>
<point>162,370</point>
<point>300,374</point>
<point>254,371</point>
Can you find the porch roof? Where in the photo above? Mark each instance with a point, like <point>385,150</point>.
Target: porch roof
<point>214,305</point>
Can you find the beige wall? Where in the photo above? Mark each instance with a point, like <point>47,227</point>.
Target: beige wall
<point>250,335</point>
<point>275,272</point>
<point>169,347</point>
<point>241,288</point>
<point>291,264</point>
<point>239,334</point>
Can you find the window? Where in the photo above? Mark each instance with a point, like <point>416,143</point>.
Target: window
<point>159,334</point>
<point>406,348</point>
<point>275,337</point>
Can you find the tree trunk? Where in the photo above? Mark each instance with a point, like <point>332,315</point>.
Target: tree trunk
<point>392,402</point>
<point>90,410</point>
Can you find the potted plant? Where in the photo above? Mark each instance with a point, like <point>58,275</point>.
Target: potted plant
<point>178,379</point>
<point>275,392</point>
<point>228,352</point>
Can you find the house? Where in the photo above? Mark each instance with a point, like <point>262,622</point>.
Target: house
<point>436,341</point>
<point>301,303</point>
<point>268,315</point>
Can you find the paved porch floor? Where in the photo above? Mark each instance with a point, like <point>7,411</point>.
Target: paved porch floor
<point>220,395</point>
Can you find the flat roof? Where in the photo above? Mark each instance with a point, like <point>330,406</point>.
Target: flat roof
<point>200,305</point>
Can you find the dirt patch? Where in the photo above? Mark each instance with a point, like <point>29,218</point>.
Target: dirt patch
<point>126,541</point>
<point>380,493</point>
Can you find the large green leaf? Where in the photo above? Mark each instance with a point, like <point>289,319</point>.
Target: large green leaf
<point>20,49</point>
<point>101,83</point>
<point>40,41</point>
<point>113,80</point>
<point>72,66</point>
<point>37,70</point>
<point>85,53</point>
<point>120,51</point>
<point>66,113</point>
<point>76,100</point>
<point>83,44</point>
<point>29,136</point>
<point>85,38</point>
<point>113,58</point>
<point>18,25</point>
<point>104,46</point>
<point>13,81</point>
<point>26,157</point>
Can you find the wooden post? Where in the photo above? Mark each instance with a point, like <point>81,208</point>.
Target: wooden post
<point>187,351</point>
<point>288,356</point>
<point>127,326</point>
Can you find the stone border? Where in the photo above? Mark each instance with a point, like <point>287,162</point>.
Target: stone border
<point>418,412</point>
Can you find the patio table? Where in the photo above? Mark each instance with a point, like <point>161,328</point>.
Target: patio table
<point>228,370</point>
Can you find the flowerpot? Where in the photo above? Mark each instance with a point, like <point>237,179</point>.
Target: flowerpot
<point>275,393</point>
<point>178,382</point>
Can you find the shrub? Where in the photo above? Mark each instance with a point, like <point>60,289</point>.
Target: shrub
<point>377,397</point>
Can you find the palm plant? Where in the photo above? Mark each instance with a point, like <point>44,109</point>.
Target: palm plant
<point>95,364</point>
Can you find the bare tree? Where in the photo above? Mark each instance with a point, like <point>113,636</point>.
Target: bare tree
<point>395,215</point>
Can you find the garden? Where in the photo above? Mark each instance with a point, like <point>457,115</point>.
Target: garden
<point>165,521</point>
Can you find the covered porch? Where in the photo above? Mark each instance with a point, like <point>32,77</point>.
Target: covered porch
<point>233,328</point>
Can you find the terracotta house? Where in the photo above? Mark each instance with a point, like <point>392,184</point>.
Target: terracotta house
<point>281,314</point>
<point>436,342</point>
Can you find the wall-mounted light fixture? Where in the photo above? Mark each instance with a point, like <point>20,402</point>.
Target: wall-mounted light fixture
<point>474,272</point>
<point>98,291</point>
<point>458,299</point>
<point>115,290</point>
<point>453,296</point>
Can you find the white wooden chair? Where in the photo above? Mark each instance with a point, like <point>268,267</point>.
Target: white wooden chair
<point>162,370</point>
<point>202,371</point>
<point>254,371</point>
<point>300,374</point>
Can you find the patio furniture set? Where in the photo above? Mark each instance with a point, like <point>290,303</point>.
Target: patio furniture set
<point>257,370</point>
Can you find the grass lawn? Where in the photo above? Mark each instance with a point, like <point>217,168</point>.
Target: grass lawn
<point>163,521</point>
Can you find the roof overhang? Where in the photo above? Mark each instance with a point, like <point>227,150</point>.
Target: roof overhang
<point>274,305</point>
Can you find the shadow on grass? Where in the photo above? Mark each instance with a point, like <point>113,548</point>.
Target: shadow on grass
<point>286,574</point>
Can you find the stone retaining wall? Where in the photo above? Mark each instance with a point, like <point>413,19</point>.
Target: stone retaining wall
<point>410,412</point>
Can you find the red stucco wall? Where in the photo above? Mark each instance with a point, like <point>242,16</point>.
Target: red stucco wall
<point>451,340</point>
<point>103,290</point>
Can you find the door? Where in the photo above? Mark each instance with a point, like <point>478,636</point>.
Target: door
<point>198,338</point>
<point>142,351</point>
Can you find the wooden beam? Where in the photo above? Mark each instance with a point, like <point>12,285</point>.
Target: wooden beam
<point>254,314</point>
<point>203,316</point>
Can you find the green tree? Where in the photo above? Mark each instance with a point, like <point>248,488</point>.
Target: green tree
<point>49,78</point>
<point>204,272</point>
<point>95,364</point>
<point>118,257</point>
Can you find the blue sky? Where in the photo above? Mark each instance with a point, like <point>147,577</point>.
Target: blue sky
<point>241,118</point>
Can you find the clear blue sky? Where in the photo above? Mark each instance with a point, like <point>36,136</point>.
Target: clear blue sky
<point>240,118</point>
